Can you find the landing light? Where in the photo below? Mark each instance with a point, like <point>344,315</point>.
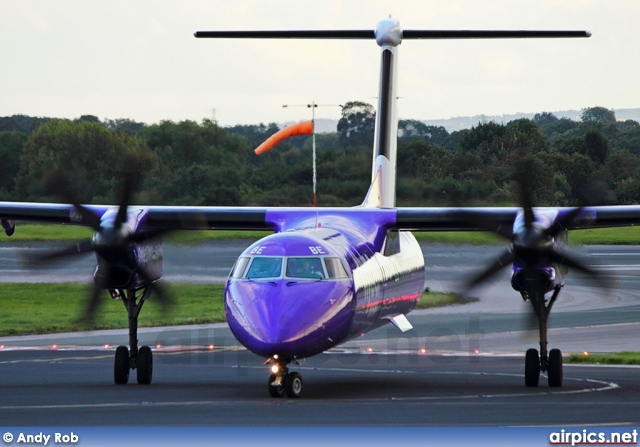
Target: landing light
<point>54,346</point>
<point>106,346</point>
<point>423,351</point>
<point>158,346</point>
<point>369,349</point>
<point>211,347</point>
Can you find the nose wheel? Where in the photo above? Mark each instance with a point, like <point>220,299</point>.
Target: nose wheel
<point>282,382</point>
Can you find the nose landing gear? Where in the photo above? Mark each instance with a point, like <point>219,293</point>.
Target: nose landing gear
<point>282,382</point>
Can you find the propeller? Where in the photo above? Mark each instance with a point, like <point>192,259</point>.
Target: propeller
<point>531,244</point>
<point>112,242</point>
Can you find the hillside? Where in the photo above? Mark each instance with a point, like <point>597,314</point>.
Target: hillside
<point>467,122</point>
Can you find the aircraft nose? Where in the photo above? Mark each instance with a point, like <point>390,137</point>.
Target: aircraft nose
<point>288,318</point>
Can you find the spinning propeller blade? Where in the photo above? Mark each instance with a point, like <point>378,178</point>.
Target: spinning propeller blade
<point>531,246</point>
<point>111,242</point>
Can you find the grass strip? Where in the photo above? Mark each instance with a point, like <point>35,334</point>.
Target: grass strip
<point>51,308</point>
<point>440,299</point>
<point>614,358</point>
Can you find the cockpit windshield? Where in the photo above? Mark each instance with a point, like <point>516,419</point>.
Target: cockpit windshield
<point>265,267</point>
<point>303,267</point>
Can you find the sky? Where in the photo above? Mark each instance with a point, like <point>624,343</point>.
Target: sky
<point>138,59</point>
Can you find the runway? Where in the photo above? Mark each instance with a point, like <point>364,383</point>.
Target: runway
<point>460,366</point>
<point>202,377</point>
<point>73,388</point>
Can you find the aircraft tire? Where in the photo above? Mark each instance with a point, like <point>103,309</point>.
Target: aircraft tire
<point>145,365</point>
<point>293,385</point>
<point>121,366</point>
<point>555,368</point>
<point>275,391</point>
<point>531,368</point>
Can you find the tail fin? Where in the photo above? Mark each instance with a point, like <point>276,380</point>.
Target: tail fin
<point>382,192</point>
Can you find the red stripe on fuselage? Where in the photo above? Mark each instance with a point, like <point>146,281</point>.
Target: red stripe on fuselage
<point>387,301</point>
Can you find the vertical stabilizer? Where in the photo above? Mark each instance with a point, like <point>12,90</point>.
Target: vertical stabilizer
<point>382,193</point>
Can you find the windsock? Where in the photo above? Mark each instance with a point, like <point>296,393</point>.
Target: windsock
<point>302,128</point>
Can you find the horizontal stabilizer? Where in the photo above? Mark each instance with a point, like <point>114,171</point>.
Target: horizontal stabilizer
<point>489,34</point>
<point>401,322</point>
<point>406,34</point>
<point>288,34</point>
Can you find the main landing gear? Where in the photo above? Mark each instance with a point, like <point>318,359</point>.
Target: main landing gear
<point>133,357</point>
<point>282,382</point>
<point>550,363</point>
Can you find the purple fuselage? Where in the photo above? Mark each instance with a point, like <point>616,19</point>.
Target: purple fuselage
<point>321,279</point>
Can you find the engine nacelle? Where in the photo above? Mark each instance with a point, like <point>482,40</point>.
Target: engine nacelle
<point>544,277</point>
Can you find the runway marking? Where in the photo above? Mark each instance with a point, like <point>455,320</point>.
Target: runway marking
<point>605,386</point>
<point>614,254</point>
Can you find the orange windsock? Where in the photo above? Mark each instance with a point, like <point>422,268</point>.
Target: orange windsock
<point>302,128</point>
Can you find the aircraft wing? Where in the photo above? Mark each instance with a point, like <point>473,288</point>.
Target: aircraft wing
<point>458,219</point>
<point>171,217</point>
<point>258,218</point>
<point>208,217</point>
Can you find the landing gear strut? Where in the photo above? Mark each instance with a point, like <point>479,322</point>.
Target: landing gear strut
<point>282,382</point>
<point>140,359</point>
<point>550,362</point>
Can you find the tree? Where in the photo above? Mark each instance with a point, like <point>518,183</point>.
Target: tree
<point>560,126</point>
<point>87,119</point>
<point>544,118</point>
<point>577,169</point>
<point>484,140</point>
<point>21,123</point>
<point>93,159</point>
<point>11,144</point>
<point>597,146</point>
<point>357,125</point>
<point>598,115</point>
<point>127,126</point>
<point>408,129</point>
<point>524,135</point>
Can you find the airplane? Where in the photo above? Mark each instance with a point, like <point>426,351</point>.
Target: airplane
<point>327,274</point>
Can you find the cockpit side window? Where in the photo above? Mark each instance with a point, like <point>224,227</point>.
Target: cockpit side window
<point>306,267</point>
<point>265,267</point>
<point>335,269</point>
<point>240,267</point>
